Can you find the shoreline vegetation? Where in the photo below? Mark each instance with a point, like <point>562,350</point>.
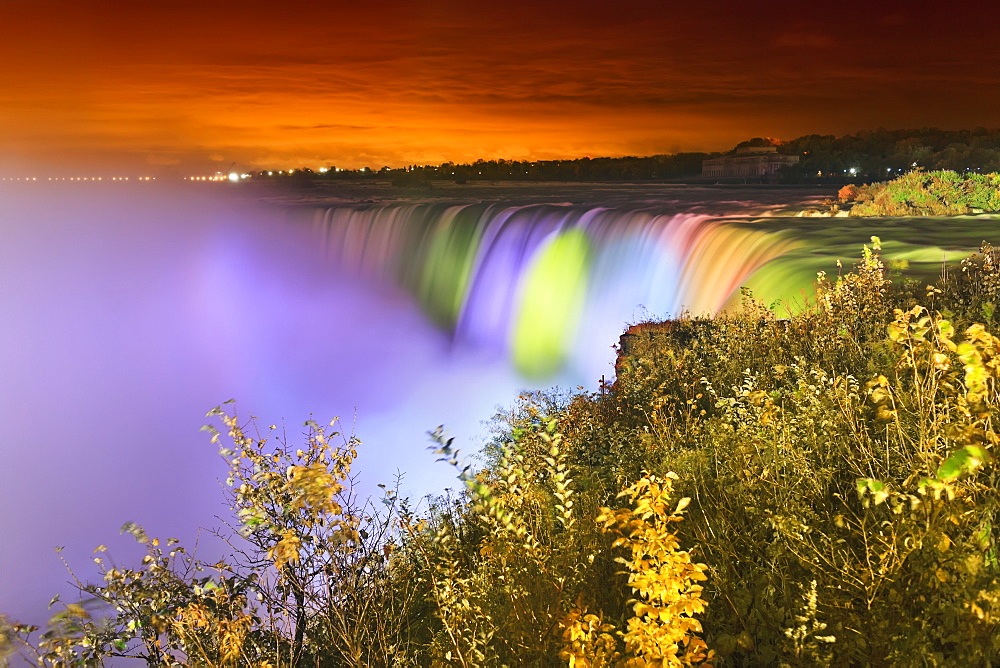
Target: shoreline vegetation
<point>919,193</point>
<point>815,490</point>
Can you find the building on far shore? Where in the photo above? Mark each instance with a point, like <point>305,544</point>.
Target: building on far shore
<point>748,161</point>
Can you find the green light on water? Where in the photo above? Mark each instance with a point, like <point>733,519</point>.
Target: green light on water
<point>444,282</point>
<point>552,296</point>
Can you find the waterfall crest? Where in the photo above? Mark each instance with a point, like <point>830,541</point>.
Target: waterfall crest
<point>545,283</point>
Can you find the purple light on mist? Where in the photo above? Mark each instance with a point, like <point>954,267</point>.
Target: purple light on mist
<point>509,242</point>
<point>125,316</point>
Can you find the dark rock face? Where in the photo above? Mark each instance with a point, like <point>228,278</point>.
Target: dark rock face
<point>679,333</point>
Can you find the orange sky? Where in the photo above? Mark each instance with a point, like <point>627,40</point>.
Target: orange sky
<point>189,87</point>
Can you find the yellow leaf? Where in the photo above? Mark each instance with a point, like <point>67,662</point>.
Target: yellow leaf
<point>944,543</point>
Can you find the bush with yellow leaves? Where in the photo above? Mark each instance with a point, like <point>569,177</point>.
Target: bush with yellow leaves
<point>309,578</point>
<point>842,467</point>
<point>662,630</point>
<point>842,473</point>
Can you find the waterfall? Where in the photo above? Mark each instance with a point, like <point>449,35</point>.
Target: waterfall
<point>127,314</point>
<point>546,285</point>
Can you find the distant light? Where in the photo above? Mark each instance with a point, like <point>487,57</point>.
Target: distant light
<point>234,177</point>
<point>324,170</point>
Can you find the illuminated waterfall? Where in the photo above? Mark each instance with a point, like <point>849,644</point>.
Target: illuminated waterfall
<point>128,314</point>
<point>548,285</point>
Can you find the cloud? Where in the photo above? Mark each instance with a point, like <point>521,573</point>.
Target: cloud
<point>158,159</point>
<point>400,82</point>
<point>328,126</point>
<point>804,40</point>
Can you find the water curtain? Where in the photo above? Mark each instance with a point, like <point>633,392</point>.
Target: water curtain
<point>547,284</point>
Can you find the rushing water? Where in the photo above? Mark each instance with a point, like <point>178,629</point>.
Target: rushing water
<point>547,286</point>
<point>126,313</point>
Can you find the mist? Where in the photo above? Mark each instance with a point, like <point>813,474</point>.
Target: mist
<point>128,311</point>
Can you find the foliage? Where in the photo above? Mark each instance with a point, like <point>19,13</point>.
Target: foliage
<point>836,473</point>
<point>487,578</point>
<point>662,629</point>
<point>919,193</point>
<point>308,579</point>
<point>626,168</point>
<point>879,154</point>
<point>840,466</point>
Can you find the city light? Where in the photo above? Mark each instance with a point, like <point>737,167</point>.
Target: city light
<point>90,179</point>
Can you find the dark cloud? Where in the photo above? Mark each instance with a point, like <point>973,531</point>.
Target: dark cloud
<point>804,40</point>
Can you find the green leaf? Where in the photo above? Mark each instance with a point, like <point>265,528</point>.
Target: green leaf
<point>961,461</point>
<point>946,329</point>
<point>869,485</point>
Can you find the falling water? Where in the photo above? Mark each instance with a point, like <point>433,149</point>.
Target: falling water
<point>548,286</point>
<point>125,315</point>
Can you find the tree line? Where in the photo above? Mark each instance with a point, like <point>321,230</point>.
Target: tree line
<point>870,155</point>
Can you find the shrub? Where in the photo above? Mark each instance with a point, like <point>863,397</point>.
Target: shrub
<point>919,193</point>
<point>836,474</point>
<point>842,480</point>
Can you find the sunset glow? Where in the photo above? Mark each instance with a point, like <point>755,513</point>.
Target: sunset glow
<point>184,87</point>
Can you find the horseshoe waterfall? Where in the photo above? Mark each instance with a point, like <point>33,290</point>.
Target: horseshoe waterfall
<point>128,312</point>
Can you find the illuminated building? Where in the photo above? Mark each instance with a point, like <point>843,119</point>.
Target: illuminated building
<point>748,161</point>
